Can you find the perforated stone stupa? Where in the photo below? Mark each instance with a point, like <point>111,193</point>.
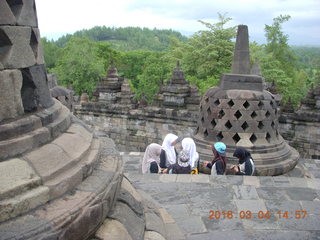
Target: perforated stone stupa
<point>241,113</point>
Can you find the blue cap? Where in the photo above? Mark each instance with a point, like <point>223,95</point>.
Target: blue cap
<point>220,147</point>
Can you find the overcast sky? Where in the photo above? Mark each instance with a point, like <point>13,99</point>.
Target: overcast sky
<point>58,17</point>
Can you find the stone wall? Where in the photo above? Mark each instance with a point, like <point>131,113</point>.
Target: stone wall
<point>302,135</point>
<point>133,130</point>
<point>301,128</point>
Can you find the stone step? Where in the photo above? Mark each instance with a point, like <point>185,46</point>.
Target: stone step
<point>19,127</point>
<point>61,154</point>
<point>19,204</point>
<point>23,143</point>
<point>48,115</point>
<point>13,129</point>
<point>58,118</point>
<point>60,123</point>
<point>16,176</point>
<point>77,214</point>
<point>276,168</point>
<point>75,174</point>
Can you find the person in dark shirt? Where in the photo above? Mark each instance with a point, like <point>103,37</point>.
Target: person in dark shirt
<point>182,166</point>
<point>219,161</point>
<point>246,165</point>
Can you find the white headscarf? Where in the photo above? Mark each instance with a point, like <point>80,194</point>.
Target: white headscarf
<point>189,146</point>
<point>167,146</point>
<point>152,154</point>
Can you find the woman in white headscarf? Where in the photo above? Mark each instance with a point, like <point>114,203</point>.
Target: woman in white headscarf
<point>151,155</point>
<point>168,154</point>
<point>189,146</point>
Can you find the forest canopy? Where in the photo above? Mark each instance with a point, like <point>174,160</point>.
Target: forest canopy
<point>147,57</point>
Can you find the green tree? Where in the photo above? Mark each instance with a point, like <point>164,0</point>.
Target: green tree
<point>155,72</point>
<point>207,53</point>
<point>279,63</point>
<point>51,53</point>
<point>80,65</point>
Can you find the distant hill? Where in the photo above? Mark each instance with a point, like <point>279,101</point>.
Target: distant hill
<point>128,38</point>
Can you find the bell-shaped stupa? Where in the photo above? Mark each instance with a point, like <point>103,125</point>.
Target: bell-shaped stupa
<point>240,112</point>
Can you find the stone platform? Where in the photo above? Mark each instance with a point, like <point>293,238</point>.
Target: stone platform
<point>190,198</point>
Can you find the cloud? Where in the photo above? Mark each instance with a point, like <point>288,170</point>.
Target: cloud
<point>182,15</point>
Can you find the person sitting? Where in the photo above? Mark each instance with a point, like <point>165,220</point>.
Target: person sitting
<point>151,155</point>
<point>168,155</point>
<point>154,167</point>
<point>219,161</point>
<point>190,147</point>
<point>246,165</point>
<point>182,166</point>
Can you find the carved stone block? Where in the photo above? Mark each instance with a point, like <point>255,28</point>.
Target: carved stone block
<point>10,98</point>
<point>15,48</point>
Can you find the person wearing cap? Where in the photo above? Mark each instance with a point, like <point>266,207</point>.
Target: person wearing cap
<point>168,155</point>
<point>151,159</point>
<point>190,147</point>
<point>219,162</point>
<point>246,165</point>
<point>182,166</point>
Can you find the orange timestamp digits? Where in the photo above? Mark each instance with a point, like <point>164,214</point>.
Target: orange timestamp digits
<point>260,215</point>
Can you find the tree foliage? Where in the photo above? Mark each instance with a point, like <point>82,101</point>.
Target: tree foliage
<point>147,57</point>
<point>279,62</point>
<point>128,38</point>
<point>207,53</point>
<point>80,65</point>
<point>51,53</point>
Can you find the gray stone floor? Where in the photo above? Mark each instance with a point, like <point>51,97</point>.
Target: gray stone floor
<point>250,207</point>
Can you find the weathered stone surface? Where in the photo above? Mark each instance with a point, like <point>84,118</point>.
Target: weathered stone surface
<point>134,224</point>
<point>16,176</point>
<point>23,228</point>
<point>19,53</point>
<point>150,235</point>
<point>27,15</point>
<point>23,143</point>
<point>12,207</point>
<point>127,198</point>
<point>10,96</point>
<point>112,230</point>
<point>245,82</point>
<point>75,142</point>
<point>35,91</point>
<point>19,127</point>
<point>241,58</point>
<point>6,15</point>
<point>126,185</point>
<point>49,160</point>
<point>154,223</point>
<point>36,46</point>
<point>60,121</point>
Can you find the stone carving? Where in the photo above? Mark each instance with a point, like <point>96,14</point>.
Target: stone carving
<point>46,153</point>
<point>10,96</point>
<point>177,93</point>
<point>301,127</point>
<point>241,113</point>
<point>109,88</point>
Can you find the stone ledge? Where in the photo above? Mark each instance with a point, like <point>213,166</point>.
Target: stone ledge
<point>76,215</point>
<point>19,127</point>
<point>19,204</point>
<point>16,176</point>
<point>23,143</point>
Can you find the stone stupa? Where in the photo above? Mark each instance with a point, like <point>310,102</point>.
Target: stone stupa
<point>55,181</point>
<point>240,112</point>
